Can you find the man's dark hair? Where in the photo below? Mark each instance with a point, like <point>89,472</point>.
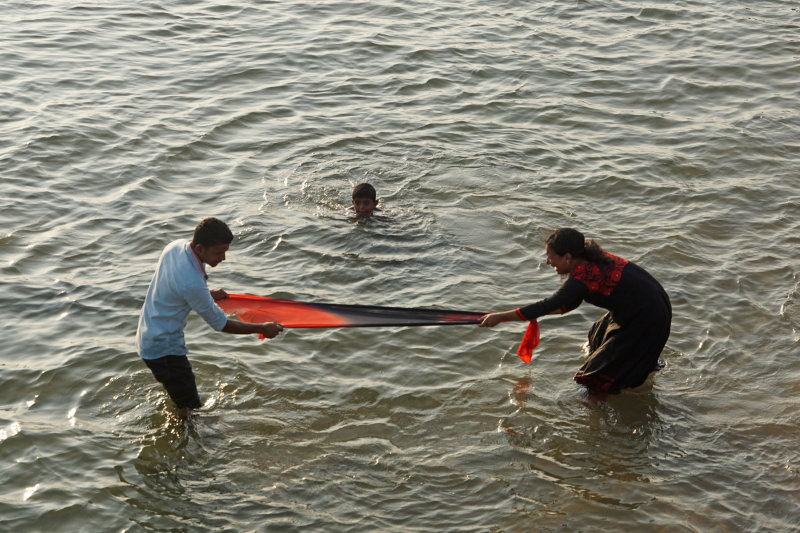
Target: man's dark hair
<point>212,231</point>
<point>364,190</point>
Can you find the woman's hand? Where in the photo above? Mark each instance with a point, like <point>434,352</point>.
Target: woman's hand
<point>491,320</point>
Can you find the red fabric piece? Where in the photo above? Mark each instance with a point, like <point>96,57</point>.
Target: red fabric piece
<point>529,342</point>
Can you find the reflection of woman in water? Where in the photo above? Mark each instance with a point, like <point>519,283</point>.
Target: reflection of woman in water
<point>624,345</point>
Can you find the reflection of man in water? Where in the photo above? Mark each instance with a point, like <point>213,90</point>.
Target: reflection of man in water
<point>179,286</point>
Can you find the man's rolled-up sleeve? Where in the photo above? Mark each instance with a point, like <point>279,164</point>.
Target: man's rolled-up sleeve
<point>203,304</point>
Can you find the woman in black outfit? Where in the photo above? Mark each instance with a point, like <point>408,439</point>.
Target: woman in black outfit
<point>625,344</point>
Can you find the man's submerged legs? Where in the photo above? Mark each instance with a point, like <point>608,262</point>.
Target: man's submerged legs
<point>175,373</point>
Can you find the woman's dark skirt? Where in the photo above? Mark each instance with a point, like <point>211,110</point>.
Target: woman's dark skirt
<point>622,357</point>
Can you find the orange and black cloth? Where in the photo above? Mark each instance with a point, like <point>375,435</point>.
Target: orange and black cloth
<point>291,314</point>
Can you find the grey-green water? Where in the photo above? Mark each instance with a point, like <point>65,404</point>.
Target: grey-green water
<point>667,131</point>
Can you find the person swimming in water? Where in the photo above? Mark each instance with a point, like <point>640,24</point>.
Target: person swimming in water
<point>365,200</point>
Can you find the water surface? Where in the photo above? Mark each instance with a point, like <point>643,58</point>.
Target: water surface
<point>668,132</point>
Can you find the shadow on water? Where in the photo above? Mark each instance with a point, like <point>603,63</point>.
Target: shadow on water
<point>165,448</point>
<point>577,454</point>
<point>171,462</point>
<point>632,412</point>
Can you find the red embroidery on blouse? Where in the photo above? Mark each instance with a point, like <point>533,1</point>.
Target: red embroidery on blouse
<point>600,278</point>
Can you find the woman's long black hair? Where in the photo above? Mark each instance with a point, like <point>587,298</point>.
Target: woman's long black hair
<point>571,241</point>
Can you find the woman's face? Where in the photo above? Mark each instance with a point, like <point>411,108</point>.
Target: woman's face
<point>562,263</point>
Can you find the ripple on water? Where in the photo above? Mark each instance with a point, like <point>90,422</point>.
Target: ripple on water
<point>482,127</point>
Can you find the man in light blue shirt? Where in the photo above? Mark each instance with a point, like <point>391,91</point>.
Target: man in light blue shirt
<point>178,287</point>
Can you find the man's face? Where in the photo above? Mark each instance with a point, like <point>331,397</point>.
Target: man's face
<point>364,206</point>
<point>211,255</point>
